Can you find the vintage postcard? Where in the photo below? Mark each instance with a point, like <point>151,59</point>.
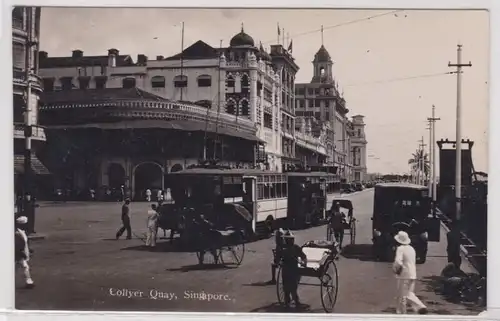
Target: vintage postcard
<point>235,160</point>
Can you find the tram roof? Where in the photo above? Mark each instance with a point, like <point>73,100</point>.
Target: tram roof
<point>218,171</point>
<point>402,185</point>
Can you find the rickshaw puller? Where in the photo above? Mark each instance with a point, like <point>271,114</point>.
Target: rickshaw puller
<point>290,269</point>
<point>277,253</point>
<point>208,236</point>
<point>337,223</point>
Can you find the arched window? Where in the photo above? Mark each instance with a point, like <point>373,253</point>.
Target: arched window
<point>158,82</point>
<point>230,107</point>
<point>230,81</point>
<point>245,110</point>
<point>128,82</point>
<point>180,81</point>
<point>244,81</point>
<point>204,81</point>
<point>322,71</point>
<point>18,17</point>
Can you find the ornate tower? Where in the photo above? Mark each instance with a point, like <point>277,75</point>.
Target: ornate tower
<point>322,65</point>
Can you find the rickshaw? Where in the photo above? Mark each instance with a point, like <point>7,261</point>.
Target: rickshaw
<point>349,221</point>
<point>403,207</point>
<point>321,257</point>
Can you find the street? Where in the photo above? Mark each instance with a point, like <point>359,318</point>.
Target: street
<point>80,266</point>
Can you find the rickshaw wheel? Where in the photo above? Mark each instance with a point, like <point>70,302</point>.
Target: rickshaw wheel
<point>280,290</point>
<point>329,286</point>
<point>233,254</point>
<point>353,231</point>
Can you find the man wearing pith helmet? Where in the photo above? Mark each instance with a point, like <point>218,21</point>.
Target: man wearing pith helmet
<point>405,269</point>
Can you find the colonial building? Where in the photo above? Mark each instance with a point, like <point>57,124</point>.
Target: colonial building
<point>359,142</point>
<point>320,99</point>
<point>241,84</point>
<point>27,87</point>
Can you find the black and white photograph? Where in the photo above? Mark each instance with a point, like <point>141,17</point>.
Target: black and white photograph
<point>251,160</point>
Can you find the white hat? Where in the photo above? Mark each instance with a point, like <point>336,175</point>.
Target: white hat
<point>22,220</point>
<point>402,238</point>
<point>281,231</point>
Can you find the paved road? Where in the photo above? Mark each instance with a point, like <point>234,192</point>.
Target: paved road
<point>80,266</point>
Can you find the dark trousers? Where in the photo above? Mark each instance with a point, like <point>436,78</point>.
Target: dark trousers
<point>339,235</point>
<point>126,226</point>
<point>455,258</point>
<point>290,286</point>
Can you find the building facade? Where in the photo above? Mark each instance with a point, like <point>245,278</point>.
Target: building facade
<point>358,143</point>
<point>321,100</point>
<point>27,87</point>
<point>241,84</point>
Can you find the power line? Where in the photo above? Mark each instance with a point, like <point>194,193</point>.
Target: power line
<point>400,79</point>
<point>339,25</point>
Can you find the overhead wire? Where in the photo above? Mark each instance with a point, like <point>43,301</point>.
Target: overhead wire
<point>383,81</point>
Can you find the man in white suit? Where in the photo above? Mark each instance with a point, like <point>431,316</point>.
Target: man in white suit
<point>406,274</point>
<point>23,252</point>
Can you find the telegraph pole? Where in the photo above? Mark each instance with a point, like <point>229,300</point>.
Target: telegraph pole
<point>430,158</point>
<point>432,148</point>
<point>458,140</point>
<point>421,164</point>
<point>28,206</point>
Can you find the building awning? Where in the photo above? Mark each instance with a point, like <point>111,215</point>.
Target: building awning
<point>183,125</point>
<point>36,165</point>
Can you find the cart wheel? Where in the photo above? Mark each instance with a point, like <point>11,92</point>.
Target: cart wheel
<point>329,286</point>
<point>280,290</point>
<point>232,254</point>
<point>353,231</point>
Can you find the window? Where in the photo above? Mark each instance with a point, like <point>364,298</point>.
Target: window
<point>158,82</point>
<point>317,91</point>
<point>310,103</point>
<point>299,91</point>
<point>359,133</point>
<point>327,103</point>
<point>317,103</point>
<point>48,84</point>
<point>268,120</point>
<point>128,83</point>
<point>18,56</point>
<point>322,71</point>
<point>67,83</point>
<point>84,82</point>
<point>204,81</point>
<point>244,81</point>
<point>230,81</point>
<point>327,115</point>
<point>317,115</point>
<point>245,110</point>
<point>310,91</point>
<point>18,18</point>
<point>180,81</point>
<point>100,83</point>
<point>230,107</point>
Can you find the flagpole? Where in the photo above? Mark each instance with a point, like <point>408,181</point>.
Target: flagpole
<point>278,33</point>
<point>283,30</point>
<point>322,35</point>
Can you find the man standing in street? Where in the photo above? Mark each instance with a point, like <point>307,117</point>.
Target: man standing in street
<point>290,269</point>
<point>405,269</point>
<point>152,226</point>
<point>125,221</point>
<point>278,238</point>
<point>23,252</point>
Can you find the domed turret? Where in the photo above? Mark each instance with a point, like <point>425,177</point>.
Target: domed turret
<point>322,55</point>
<point>242,39</point>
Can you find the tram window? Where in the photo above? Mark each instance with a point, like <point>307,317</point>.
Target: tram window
<point>272,191</point>
<point>284,191</point>
<point>260,191</point>
<point>277,187</point>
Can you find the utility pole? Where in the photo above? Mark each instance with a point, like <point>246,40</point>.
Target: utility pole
<point>28,206</point>
<point>458,140</point>
<point>432,148</point>
<point>429,181</point>
<point>421,163</point>
<point>182,62</point>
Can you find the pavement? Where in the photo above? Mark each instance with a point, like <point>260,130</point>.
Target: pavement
<point>80,266</point>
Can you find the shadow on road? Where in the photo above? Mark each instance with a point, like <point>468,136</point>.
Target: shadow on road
<point>362,252</point>
<point>278,308</point>
<point>160,247</point>
<point>202,267</point>
<point>261,283</point>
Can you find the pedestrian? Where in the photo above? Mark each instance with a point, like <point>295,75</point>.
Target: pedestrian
<point>152,225</point>
<point>159,195</point>
<point>453,238</point>
<point>122,193</point>
<point>336,223</point>
<point>208,239</point>
<point>290,269</point>
<point>405,268</point>
<point>148,195</point>
<point>279,244</point>
<point>125,221</point>
<point>22,250</point>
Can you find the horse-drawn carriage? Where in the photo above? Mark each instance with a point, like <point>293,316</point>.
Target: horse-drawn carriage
<point>348,221</point>
<point>321,257</point>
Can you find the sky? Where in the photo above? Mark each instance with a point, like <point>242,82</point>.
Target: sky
<point>379,57</point>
